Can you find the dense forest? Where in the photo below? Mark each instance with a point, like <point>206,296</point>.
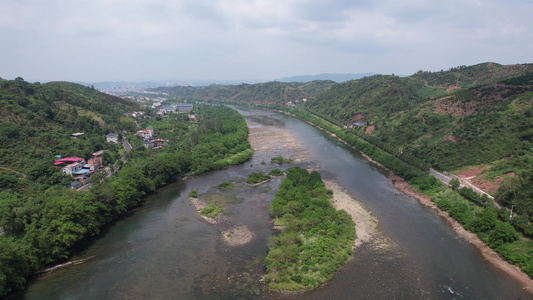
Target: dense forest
<point>41,217</point>
<point>315,240</point>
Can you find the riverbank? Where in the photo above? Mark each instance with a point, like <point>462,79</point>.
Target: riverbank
<point>488,253</point>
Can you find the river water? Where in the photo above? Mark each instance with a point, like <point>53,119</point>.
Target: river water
<point>164,250</point>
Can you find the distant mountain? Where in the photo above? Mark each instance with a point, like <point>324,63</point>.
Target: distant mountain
<point>326,76</point>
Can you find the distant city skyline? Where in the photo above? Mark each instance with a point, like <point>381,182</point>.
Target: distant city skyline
<point>231,40</point>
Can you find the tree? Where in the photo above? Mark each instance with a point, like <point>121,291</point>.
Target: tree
<point>502,233</point>
<point>454,183</point>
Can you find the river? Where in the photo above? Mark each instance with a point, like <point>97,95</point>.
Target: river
<point>164,250</point>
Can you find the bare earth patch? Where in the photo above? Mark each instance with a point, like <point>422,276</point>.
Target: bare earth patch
<point>237,236</point>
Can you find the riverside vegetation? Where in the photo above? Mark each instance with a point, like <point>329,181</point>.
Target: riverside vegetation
<point>315,240</point>
<point>42,219</point>
<point>448,120</point>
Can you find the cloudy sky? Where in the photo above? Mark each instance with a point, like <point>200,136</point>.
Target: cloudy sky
<point>137,40</point>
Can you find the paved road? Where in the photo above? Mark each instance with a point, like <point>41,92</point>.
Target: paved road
<point>464,183</point>
<point>440,176</point>
<point>126,145</point>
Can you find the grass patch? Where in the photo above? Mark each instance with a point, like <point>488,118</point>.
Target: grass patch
<point>225,185</point>
<point>257,177</point>
<point>276,172</point>
<point>211,211</point>
<point>280,160</point>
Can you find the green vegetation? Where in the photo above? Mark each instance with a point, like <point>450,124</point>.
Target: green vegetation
<point>226,185</point>
<point>276,172</point>
<point>316,240</point>
<point>193,194</point>
<point>280,160</point>
<point>42,218</point>
<point>212,210</point>
<point>257,177</point>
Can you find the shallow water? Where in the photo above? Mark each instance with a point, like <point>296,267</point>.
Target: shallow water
<point>164,250</point>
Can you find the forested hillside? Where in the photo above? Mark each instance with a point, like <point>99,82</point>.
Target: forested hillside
<point>40,217</point>
<point>269,92</point>
<point>448,129</point>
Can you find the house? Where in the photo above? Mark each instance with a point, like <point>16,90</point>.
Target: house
<point>70,169</point>
<point>77,135</point>
<point>75,185</point>
<point>151,130</point>
<point>68,160</point>
<point>145,134</point>
<point>112,138</point>
<point>148,144</point>
<point>193,117</point>
<point>184,107</point>
<point>168,108</point>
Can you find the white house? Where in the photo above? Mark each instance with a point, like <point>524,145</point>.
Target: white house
<point>112,138</point>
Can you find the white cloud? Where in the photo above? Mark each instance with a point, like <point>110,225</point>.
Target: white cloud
<point>240,39</point>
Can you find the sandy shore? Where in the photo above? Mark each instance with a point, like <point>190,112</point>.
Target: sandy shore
<point>365,223</point>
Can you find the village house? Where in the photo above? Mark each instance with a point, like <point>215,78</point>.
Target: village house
<point>112,138</point>
<point>148,144</point>
<point>168,109</point>
<point>77,135</point>
<point>184,107</point>
<point>148,133</point>
<point>70,169</point>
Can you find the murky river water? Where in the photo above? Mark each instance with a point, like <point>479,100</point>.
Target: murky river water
<point>164,250</point>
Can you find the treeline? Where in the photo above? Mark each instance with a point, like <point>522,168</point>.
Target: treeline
<point>43,219</point>
<point>269,92</point>
<point>315,240</point>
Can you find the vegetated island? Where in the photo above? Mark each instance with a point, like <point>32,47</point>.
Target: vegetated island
<point>257,178</point>
<point>315,239</point>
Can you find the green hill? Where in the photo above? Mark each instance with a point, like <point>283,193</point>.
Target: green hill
<point>36,120</point>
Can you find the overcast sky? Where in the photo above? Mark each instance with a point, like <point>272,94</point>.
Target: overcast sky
<point>137,40</point>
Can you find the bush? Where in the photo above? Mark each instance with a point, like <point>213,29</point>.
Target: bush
<point>225,185</point>
<point>280,160</point>
<point>193,194</point>
<point>211,210</point>
<point>257,177</point>
<point>275,172</point>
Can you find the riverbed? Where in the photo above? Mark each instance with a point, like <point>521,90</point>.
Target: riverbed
<point>165,250</point>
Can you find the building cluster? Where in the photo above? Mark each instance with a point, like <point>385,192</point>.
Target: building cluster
<point>80,170</point>
<point>293,103</point>
<point>147,135</point>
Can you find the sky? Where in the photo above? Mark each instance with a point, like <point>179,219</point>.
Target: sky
<point>141,40</point>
